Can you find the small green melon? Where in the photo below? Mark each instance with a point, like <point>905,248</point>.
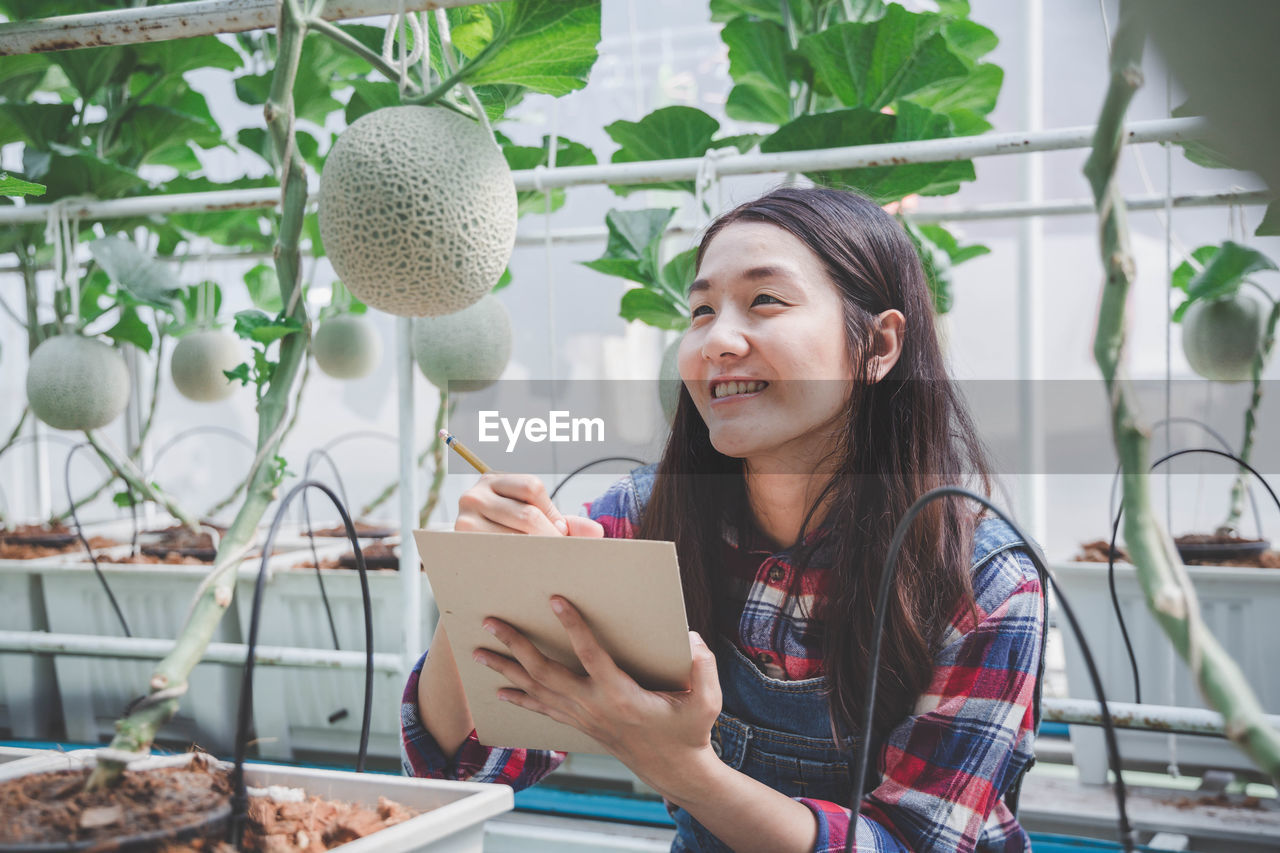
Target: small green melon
<point>417,210</point>
<point>669,381</point>
<point>1221,337</point>
<point>77,383</point>
<point>466,351</point>
<point>347,347</point>
<point>198,363</point>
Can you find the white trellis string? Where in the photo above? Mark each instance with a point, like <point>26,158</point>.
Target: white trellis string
<point>707,178</point>
<point>61,230</point>
<point>407,56</point>
<point>446,54</point>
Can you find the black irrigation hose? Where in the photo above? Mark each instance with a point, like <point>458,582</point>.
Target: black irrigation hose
<point>581,468</point>
<point>75,519</point>
<point>239,795</point>
<point>311,540</point>
<point>859,770</point>
<point>1115,529</point>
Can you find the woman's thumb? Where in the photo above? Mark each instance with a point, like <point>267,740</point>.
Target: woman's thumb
<point>704,679</point>
<point>585,527</point>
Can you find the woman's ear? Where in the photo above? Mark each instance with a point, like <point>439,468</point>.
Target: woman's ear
<point>886,343</point>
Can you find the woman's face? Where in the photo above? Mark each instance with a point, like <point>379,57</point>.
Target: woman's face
<point>766,314</point>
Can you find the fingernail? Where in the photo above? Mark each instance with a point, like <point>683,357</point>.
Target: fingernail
<point>490,627</point>
<point>557,605</point>
<point>477,657</point>
<point>562,526</point>
<point>502,697</point>
<point>697,640</point>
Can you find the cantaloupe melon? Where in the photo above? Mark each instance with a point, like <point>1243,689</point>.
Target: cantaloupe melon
<point>198,363</point>
<point>466,351</point>
<point>1221,337</point>
<point>347,347</point>
<point>77,383</point>
<point>417,210</point>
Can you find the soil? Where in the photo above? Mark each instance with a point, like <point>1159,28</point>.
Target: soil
<point>1096,552</point>
<point>377,556</point>
<point>13,544</point>
<point>364,530</point>
<point>51,807</point>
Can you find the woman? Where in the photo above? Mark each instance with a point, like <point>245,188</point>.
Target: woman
<point>815,409</point>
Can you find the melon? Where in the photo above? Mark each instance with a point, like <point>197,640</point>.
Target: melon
<point>669,381</point>
<point>347,347</point>
<point>466,351</point>
<point>198,363</point>
<point>1221,337</point>
<point>417,210</point>
<point>77,383</point>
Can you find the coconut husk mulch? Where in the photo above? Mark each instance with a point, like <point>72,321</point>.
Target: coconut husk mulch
<point>52,807</point>
<point>377,555</point>
<point>12,546</point>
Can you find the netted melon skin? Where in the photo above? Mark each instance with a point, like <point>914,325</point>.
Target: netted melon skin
<point>417,210</point>
<point>347,347</point>
<point>198,363</point>
<point>77,383</point>
<point>466,351</point>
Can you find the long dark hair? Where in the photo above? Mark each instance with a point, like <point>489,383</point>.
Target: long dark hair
<point>903,436</point>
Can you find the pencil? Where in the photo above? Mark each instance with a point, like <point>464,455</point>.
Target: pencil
<point>466,454</point>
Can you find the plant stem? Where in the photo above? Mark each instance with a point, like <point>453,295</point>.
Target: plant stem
<point>17,430</point>
<point>136,732</point>
<point>1163,578</point>
<point>125,469</point>
<point>1260,359</point>
<point>437,458</point>
<point>27,261</point>
<point>352,44</point>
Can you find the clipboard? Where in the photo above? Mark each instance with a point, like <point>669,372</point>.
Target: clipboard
<point>628,591</point>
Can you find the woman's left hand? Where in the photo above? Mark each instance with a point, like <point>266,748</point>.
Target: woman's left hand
<point>652,732</point>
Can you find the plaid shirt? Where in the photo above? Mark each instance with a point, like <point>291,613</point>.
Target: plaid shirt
<point>944,768</point>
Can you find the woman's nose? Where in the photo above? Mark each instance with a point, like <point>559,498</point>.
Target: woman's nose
<point>724,338</point>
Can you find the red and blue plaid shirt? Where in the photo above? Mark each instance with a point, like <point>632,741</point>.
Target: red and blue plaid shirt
<point>944,768</point>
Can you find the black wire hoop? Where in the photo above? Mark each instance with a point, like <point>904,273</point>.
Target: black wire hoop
<point>240,796</point>
<point>859,769</point>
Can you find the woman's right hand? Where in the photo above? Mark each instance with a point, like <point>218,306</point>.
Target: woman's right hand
<point>517,503</point>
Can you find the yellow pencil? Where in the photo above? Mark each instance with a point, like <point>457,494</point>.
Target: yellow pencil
<point>466,454</point>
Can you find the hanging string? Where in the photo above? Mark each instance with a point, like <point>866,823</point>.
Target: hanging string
<point>446,54</point>
<point>62,232</point>
<point>407,57</point>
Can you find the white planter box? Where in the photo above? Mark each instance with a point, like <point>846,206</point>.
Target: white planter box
<point>1242,609</point>
<point>292,708</point>
<point>452,820</point>
<point>155,599</point>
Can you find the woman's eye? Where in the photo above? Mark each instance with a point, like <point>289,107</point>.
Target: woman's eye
<point>695,311</point>
<point>768,296</point>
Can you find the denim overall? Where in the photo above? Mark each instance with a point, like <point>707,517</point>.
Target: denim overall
<point>780,732</point>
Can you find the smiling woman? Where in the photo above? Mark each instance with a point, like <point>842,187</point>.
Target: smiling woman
<point>813,391</point>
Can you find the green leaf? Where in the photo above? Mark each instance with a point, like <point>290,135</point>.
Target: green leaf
<point>152,132</point>
<point>956,8</point>
<point>124,499</point>
<point>11,186</point>
<point>758,65</point>
<point>264,288</point>
<point>370,95</point>
<point>68,171</point>
<point>91,68</point>
<point>21,74</point>
<point>652,307</point>
<point>971,40</point>
<point>253,325</point>
<point>765,10</point>
<point>664,134</point>
<point>1184,272</point>
<point>130,329</point>
<point>177,56</point>
<point>873,64</point>
<point>92,294</point>
<point>977,91</point>
<point>1225,271</point>
<point>634,242</point>
<point>1199,151</point>
<point>503,280</point>
<point>744,142</point>
<point>238,373</point>
<point>1270,224</point>
<point>861,126</point>
<point>940,252</point>
<point>191,298</point>
<point>523,157</point>
<point>146,279</point>
<point>548,46</point>
<point>497,99</point>
<point>677,275</point>
<point>36,124</point>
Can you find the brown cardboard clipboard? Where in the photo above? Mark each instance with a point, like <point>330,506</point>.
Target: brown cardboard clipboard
<point>628,591</point>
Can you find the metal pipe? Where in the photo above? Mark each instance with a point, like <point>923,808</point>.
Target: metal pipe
<point>88,645</point>
<point>1172,719</point>
<point>658,171</point>
<point>181,20</point>
<point>410,576</point>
